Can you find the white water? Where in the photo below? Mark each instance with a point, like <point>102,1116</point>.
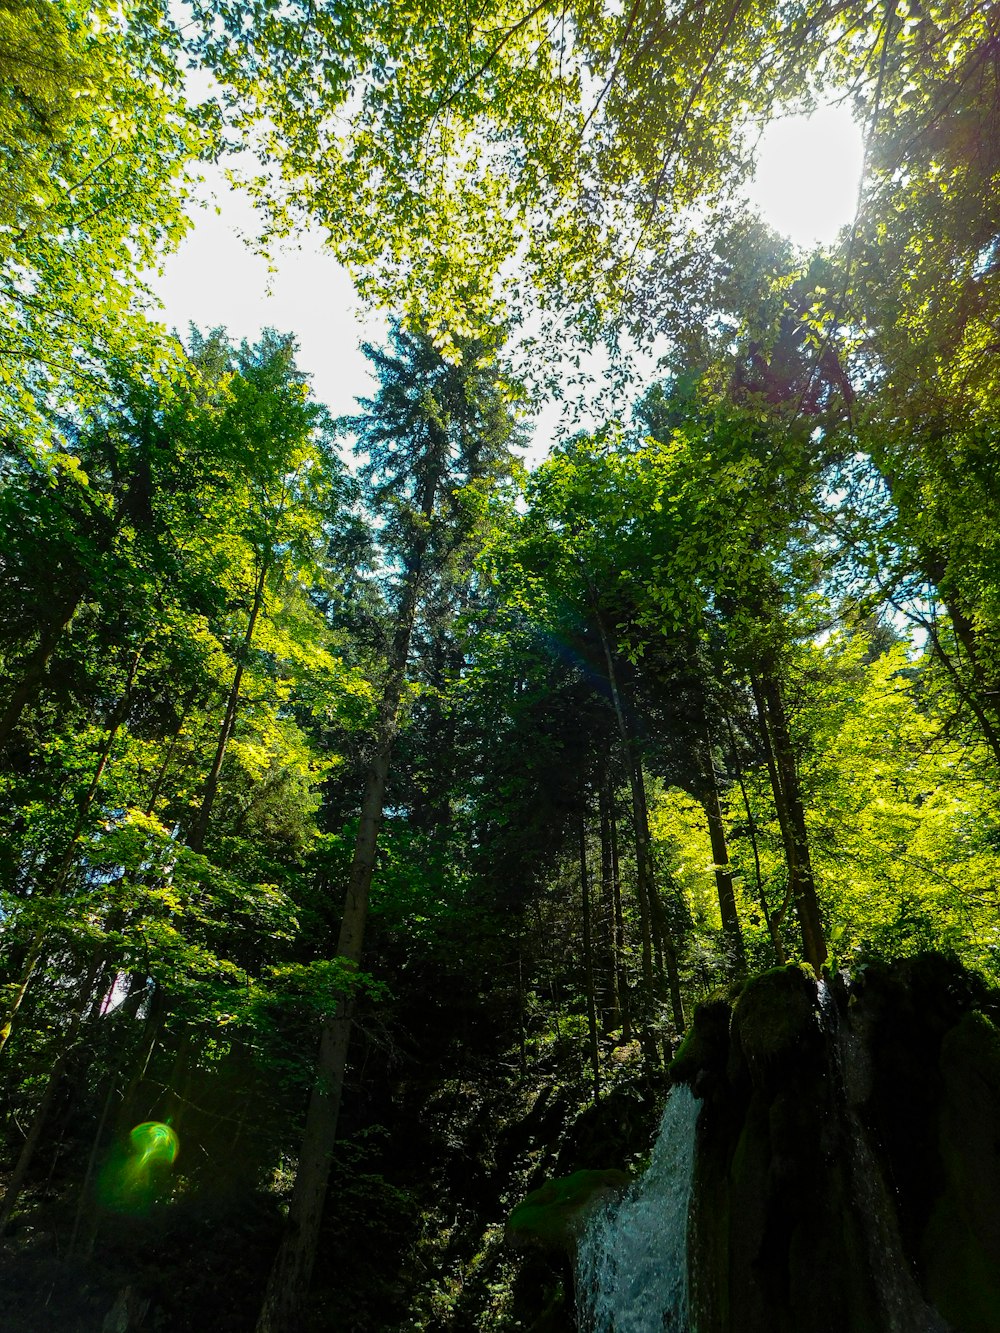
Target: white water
<point>631,1273</point>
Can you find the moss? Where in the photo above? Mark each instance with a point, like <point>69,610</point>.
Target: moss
<point>973,1045</point>
<point>961,1242</point>
<point>777,1019</point>
<point>704,1051</point>
<point>554,1215</point>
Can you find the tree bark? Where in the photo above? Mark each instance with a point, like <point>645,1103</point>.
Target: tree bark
<point>58,880</point>
<point>588,959</point>
<point>27,972</point>
<point>708,798</point>
<point>712,806</point>
<point>624,998</point>
<point>288,1283</point>
<point>645,876</point>
<point>791,817</point>
<point>196,838</point>
<point>35,1130</point>
<point>34,669</point>
<point>974,696</point>
<point>644,849</point>
<point>41,1116</point>
<point>771,920</point>
<point>611,1010</point>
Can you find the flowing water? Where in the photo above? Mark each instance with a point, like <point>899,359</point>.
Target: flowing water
<point>631,1272</point>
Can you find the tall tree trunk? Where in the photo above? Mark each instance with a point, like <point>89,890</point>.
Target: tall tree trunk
<point>972,696</point>
<point>771,919</point>
<point>791,817</point>
<point>44,1107</point>
<point>611,1010</point>
<point>644,848</point>
<point>981,693</point>
<point>27,972</point>
<point>288,1283</point>
<point>57,882</point>
<point>720,857</point>
<point>196,838</point>
<point>708,797</point>
<point>168,755</point>
<point>588,961</point>
<point>645,874</point>
<point>129,1008</point>
<point>34,1136</point>
<point>643,1013</point>
<point>624,999</point>
<point>116,718</point>
<point>34,668</point>
<point>522,1036</point>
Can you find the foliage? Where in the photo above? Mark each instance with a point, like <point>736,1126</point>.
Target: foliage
<point>712,689</point>
<point>99,147</point>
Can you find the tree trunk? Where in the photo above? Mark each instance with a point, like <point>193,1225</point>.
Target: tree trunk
<point>58,880</point>
<point>34,669</point>
<point>771,920</point>
<point>27,972</point>
<point>522,1041</point>
<point>611,1010</point>
<point>644,850</point>
<point>720,857</point>
<point>288,1283</point>
<point>791,817</point>
<point>645,875</point>
<point>972,696</point>
<point>588,959</point>
<point>196,838</point>
<point>41,1116</point>
<point>616,883</point>
<point>708,798</point>
<point>38,1122</point>
<point>129,1007</point>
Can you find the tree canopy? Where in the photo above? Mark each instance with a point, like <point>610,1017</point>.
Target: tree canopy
<point>376,812</point>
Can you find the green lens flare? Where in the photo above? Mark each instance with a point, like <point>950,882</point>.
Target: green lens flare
<point>136,1173</point>
<point>154,1144</point>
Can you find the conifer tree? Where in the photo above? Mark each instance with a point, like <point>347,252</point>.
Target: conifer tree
<point>436,438</point>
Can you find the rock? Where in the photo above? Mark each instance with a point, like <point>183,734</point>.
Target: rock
<point>777,1022</point>
<point>127,1313</point>
<point>554,1216</point>
<point>847,1174</point>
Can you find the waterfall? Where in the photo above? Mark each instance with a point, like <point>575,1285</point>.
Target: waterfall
<point>631,1274</point>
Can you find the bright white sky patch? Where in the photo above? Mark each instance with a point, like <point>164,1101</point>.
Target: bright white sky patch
<point>808,169</point>
<point>216,278</point>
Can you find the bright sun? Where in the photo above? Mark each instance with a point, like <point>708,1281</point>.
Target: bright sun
<point>808,168</point>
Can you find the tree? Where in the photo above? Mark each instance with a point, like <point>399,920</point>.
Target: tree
<point>580,137</point>
<point>98,147</point>
<point>196,518</point>
<point>436,438</point>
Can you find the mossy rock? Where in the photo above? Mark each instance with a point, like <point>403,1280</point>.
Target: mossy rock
<point>777,1020</point>
<point>961,1244</point>
<point>703,1053</point>
<point>554,1216</point>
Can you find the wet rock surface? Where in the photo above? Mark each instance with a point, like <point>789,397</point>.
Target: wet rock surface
<point>847,1174</point>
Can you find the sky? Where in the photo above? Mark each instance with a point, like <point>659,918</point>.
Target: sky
<point>808,169</point>
<point>806,187</point>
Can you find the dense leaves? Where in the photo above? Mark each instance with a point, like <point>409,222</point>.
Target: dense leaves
<point>483,779</point>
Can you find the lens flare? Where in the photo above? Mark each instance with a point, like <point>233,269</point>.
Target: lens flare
<point>135,1175</point>
<point>154,1144</point>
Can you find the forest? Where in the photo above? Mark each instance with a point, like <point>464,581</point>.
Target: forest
<point>386,825</point>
